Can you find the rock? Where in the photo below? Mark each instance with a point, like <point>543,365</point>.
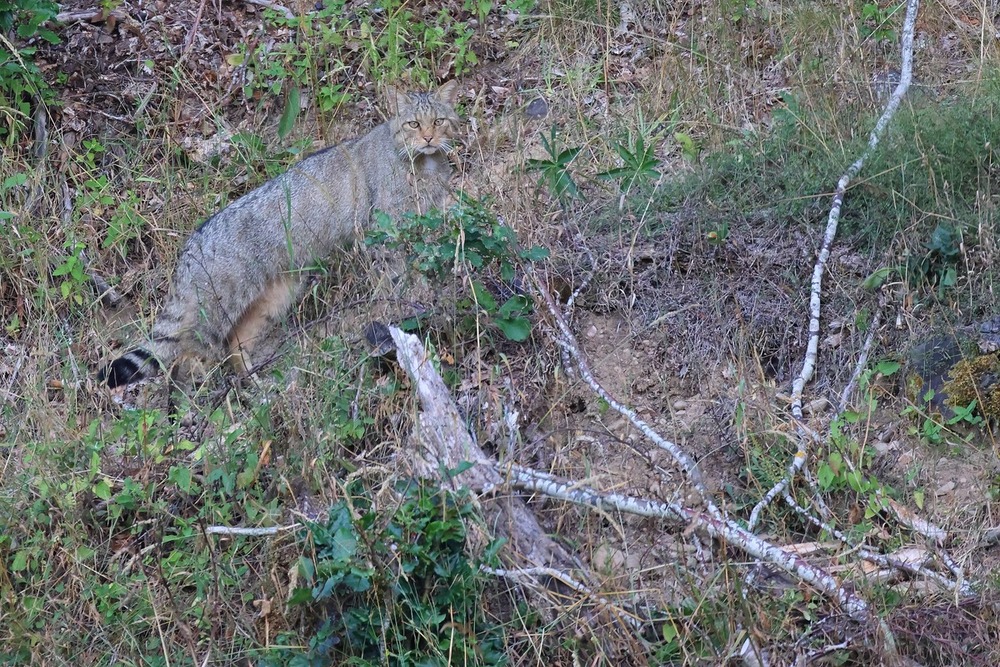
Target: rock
<point>537,108</point>
<point>816,406</point>
<point>945,489</point>
<point>607,558</point>
<point>680,404</point>
<point>885,435</point>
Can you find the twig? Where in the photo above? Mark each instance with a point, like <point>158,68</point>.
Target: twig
<point>249,532</point>
<point>192,34</point>
<point>809,363</point>
<point>960,586</point>
<point>845,396</point>
<point>276,7</point>
<point>567,341</point>
<point>728,531</point>
<point>90,15</point>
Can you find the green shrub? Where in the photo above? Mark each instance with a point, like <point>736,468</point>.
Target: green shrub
<point>396,590</point>
<point>20,78</point>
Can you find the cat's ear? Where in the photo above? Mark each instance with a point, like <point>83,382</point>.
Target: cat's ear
<point>448,93</point>
<point>396,99</point>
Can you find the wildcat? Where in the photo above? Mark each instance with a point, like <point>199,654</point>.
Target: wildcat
<point>242,268</point>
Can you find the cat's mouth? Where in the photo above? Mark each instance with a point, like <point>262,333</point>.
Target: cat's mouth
<point>427,149</point>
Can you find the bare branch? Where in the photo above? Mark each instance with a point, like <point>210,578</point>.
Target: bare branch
<point>250,532</point>
<point>276,7</point>
<point>729,531</point>
<point>567,341</point>
<point>809,363</point>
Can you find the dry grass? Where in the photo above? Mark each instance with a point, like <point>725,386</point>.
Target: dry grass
<point>702,336</point>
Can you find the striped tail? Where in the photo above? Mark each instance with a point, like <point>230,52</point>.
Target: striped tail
<point>131,367</point>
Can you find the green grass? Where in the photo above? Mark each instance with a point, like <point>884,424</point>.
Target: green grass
<point>104,558</point>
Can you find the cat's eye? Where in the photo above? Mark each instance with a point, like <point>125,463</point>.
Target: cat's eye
<point>414,124</point>
<point>438,122</point>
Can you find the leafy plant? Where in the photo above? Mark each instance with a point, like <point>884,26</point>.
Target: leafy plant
<point>20,78</point>
<point>639,164</point>
<point>939,264</point>
<point>554,171</point>
<point>394,590</point>
<point>467,238</point>
<point>875,21</point>
<point>388,40</point>
<point>846,464</point>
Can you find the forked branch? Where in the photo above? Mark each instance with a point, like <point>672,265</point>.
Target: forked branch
<point>809,363</point>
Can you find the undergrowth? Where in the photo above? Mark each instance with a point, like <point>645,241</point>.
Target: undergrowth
<point>105,556</point>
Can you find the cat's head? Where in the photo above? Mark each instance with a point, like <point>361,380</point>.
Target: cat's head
<point>424,123</point>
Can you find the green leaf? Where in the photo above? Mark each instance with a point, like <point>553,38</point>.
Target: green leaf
<point>825,476</point>
<point>483,297</point>
<point>535,253</point>
<point>66,267</point>
<point>515,305</point>
<point>301,596</point>
<point>180,476</point>
<point>307,568</point>
<point>14,181</point>
<point>887,366</point>
<point>878,277</point>
<point>517,329</point>
<point>290,113</point>
<point>20,562</point>
<point>687,145</point>
<point>102,489</point>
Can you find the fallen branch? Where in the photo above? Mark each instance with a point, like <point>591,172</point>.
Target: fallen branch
<point>735,536</point>
<point>95,15</point>
<point>567,341</point>
<point>250,532</point>
<point>276,7</point>
<point>710,520</point>
<point>441,443</point>
<point>809,363</point>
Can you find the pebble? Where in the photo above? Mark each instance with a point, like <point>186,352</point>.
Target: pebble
<point>680,404</point>
<point>537,108</point>
<point>945,489</point>
<point>816,406</point>
<point>608,558</point>
<point>591,331</point>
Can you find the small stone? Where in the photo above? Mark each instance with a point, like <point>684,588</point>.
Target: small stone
<point>817,406</point>
<point>945,489</point>
<point>885,435</point>
<point>537,108</point>
<point>591,331</point>
<point>680,404</point>
<point>608,558</point>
